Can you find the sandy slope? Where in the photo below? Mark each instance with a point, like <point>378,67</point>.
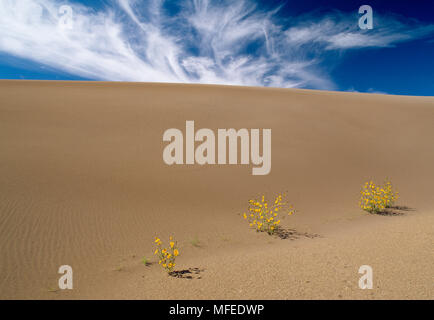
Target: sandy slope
<point>82,182</point>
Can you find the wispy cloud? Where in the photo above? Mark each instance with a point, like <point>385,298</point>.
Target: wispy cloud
<point>341,31</point>
<point>224,42</point>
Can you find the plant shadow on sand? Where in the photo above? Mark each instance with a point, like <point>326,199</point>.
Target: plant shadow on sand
<point>191,273</point>
<point>395,211</point>
<point>292,234</point>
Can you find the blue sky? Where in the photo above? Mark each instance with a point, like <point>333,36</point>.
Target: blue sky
<point>290,44</point>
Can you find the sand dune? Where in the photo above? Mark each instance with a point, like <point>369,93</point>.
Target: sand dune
<point>83,183</point>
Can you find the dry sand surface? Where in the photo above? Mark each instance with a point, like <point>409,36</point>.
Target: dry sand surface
<point>83,183</point>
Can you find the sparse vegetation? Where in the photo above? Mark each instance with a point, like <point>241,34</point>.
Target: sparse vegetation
<point>119,268</point>
<point>195,242</point>
<point>167,256</point>
<point>265,217</point>
<point>375,199</point>
<point>145,261</point>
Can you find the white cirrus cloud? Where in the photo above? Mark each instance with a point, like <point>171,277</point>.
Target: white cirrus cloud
<point>220,42</point>
<point>341,31</point>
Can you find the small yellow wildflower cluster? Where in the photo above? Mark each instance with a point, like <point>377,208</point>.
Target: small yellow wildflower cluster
<point>375,199</point>
<point>167,256</point>
<point>389,194</point>
<point>265,217</point>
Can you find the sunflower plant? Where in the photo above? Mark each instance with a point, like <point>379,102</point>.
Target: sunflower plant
<point>167,256</point>
<point>389,194</point>
<point>375,199</point>
<point>264,216</point>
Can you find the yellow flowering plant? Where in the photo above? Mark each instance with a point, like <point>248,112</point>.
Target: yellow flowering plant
<point>167,256</point>
<point>265,216</point>
<point>389,194</point>
<point>375,199</point>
